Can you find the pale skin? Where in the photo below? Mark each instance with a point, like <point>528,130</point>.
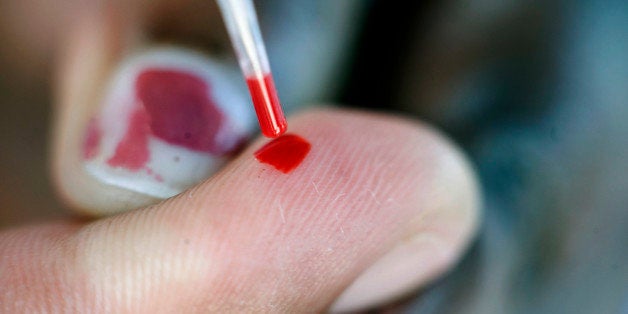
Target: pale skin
<point>380,207</point>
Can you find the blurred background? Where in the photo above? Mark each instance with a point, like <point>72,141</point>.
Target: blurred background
<point>535,92</point>
<point>25,115</point>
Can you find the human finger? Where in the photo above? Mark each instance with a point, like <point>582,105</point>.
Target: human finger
<point>375,197</point>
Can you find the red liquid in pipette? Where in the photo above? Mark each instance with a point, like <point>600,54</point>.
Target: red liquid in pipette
<point>267,107</point>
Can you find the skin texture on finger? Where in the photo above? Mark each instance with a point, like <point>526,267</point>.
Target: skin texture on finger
<point>442,230</point>
<point>252,239</point>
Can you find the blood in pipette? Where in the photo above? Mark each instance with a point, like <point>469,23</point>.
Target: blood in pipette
<point>284,153</point>
<point>264,95</point>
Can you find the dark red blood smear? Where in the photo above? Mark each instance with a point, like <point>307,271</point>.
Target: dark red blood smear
<point>181,110</point>
<point>132,151</point>
<point>284,153</point>
<point>175,107</point>
<point>92,140</point>
<point>272,122</point>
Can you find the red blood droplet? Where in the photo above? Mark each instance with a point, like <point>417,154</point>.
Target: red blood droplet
<point>284,153</point>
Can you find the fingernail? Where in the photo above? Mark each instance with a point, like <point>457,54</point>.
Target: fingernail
<point>169,119</point>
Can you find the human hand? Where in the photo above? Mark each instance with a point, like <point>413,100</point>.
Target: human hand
<point>381,202</point>
<point>379,207</point>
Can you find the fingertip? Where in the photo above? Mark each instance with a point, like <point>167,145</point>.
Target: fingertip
<point>443,197</point>
<point>133,125</point>
<point>379,206</point>
<point>369,183</point>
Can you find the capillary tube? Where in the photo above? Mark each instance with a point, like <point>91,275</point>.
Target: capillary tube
<point>243,28</point>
